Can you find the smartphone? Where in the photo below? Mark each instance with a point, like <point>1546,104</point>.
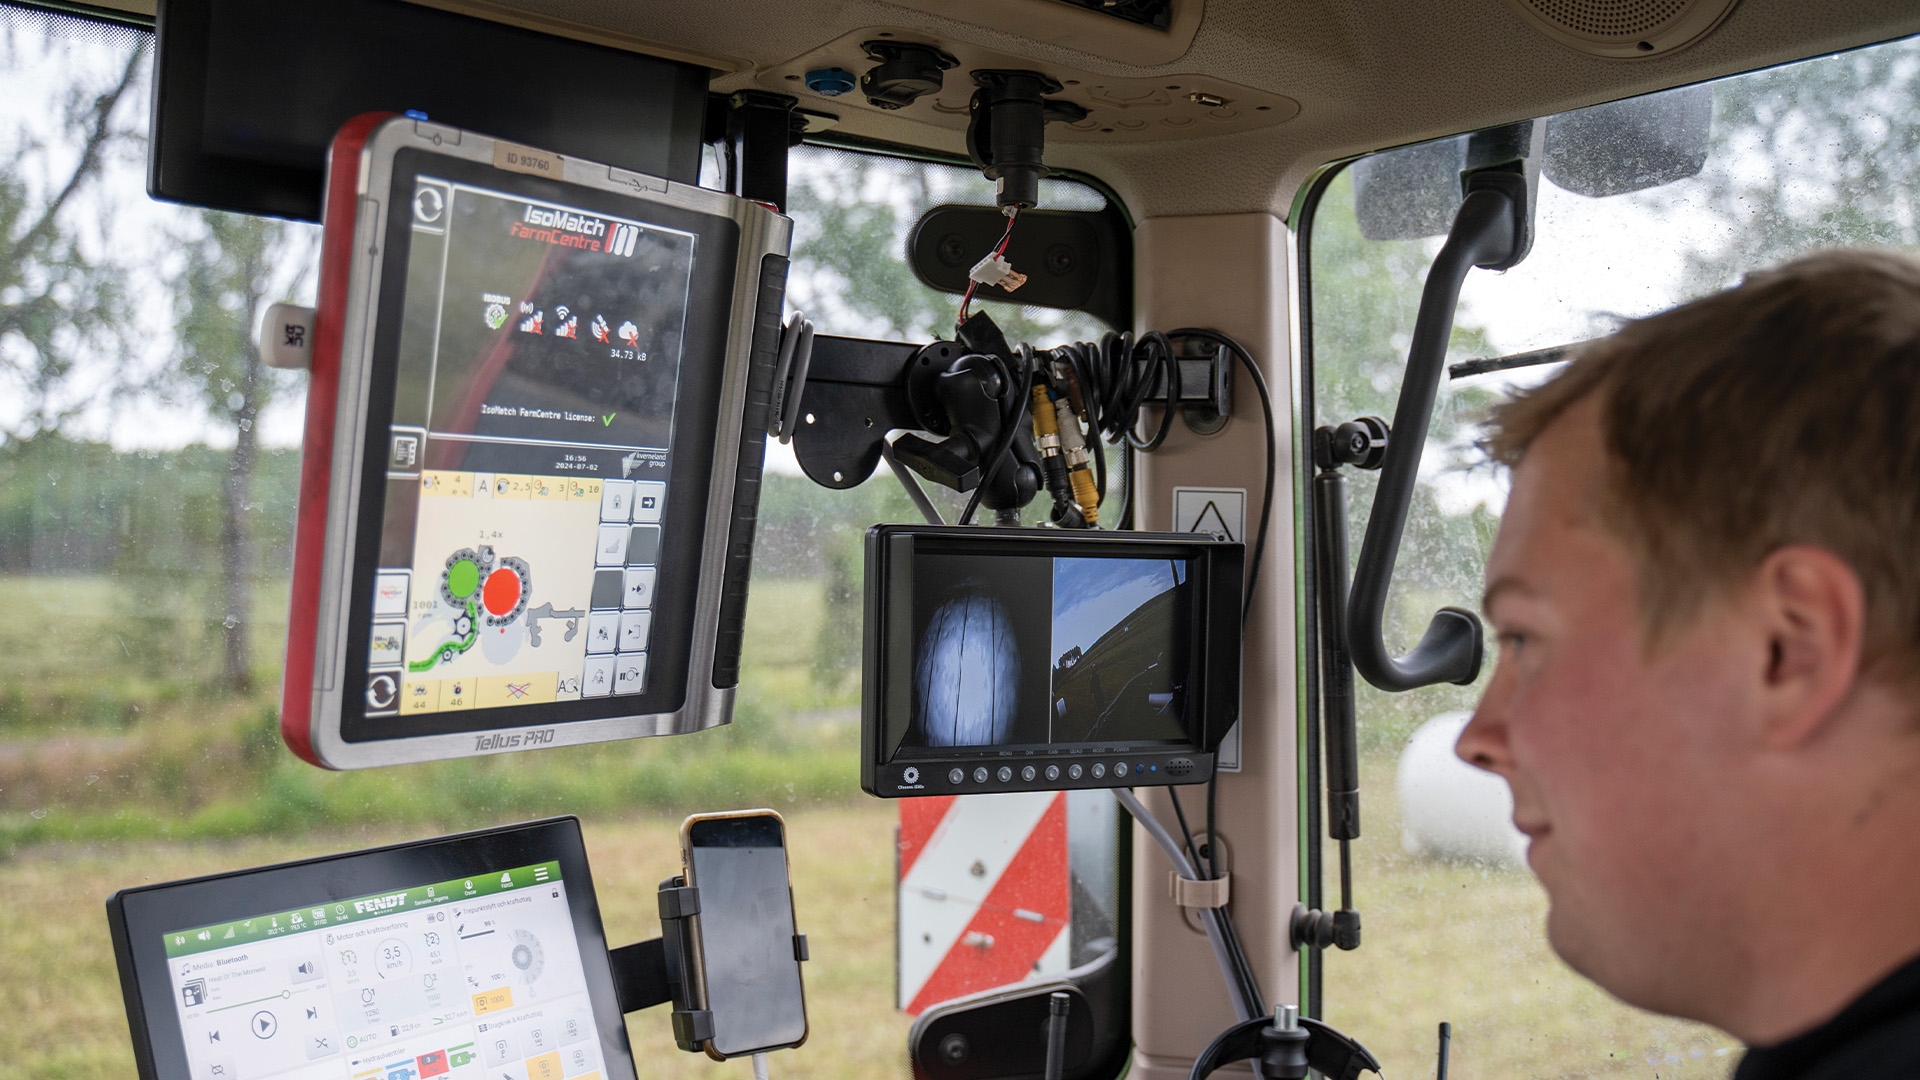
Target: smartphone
<point>745,967</point>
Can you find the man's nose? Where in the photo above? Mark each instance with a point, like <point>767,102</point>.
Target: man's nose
<point>1483,742</point>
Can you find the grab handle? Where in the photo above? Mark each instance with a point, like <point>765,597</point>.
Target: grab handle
<point>1490,228</point>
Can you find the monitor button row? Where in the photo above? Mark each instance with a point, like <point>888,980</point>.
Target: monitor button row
<point>1028,773</point>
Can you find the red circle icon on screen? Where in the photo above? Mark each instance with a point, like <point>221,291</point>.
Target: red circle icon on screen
<point>502,592</point>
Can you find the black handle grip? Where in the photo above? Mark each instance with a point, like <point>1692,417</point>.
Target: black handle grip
<point>1485,232</point>
<point>746,477</point>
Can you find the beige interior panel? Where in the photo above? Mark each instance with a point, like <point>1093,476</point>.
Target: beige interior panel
<point>1228,273</point>
<point>131,7</point>
<point>1366,73</point>
<point>1119,108</point>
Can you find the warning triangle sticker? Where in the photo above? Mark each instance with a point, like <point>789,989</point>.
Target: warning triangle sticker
<point>1211,521</point>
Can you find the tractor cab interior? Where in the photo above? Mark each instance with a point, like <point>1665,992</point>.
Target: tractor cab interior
<point>870,538</point>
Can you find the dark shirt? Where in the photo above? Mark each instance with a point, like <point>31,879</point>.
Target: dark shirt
<point>1875,1038</point>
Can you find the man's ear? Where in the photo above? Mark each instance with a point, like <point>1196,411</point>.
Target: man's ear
<point>1815,612</point>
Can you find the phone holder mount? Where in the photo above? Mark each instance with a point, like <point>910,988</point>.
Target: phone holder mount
<point>654,972</point>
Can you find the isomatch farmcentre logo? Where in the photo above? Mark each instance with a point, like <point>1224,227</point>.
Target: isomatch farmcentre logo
<point>563,228</point>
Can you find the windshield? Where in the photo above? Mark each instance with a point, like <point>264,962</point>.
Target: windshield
<point>149,467</point>
<point>1810,155</point>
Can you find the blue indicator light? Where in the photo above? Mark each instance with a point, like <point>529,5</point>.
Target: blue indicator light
<point>414,114</point>
<point>830,82</point>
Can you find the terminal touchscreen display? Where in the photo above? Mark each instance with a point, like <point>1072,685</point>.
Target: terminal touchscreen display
<point>475,976</point>
<point>529,470</point>
<point>1012,650</point>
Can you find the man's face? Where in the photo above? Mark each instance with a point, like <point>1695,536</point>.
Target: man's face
<point>1613,752</point>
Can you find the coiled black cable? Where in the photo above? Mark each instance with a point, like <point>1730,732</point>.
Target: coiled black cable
<point>1116,376</point>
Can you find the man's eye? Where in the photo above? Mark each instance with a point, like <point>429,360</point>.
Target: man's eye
<point>1511,641</point>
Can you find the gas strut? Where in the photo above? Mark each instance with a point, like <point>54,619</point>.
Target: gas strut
<point>1361,443</point>
<point>1492,230</point>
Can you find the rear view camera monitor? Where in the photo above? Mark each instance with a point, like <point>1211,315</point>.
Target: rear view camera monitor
<point>1022,660</point>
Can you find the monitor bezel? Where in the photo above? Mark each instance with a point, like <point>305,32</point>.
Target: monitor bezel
<point>697,403</point>
<point>1213,702</point>
<point>335,452</point>
<point>140,917</point>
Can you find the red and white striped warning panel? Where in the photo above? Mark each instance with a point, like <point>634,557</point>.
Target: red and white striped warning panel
<point>984,899</point>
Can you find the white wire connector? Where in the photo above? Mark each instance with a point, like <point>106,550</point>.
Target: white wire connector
<point>996,270</point>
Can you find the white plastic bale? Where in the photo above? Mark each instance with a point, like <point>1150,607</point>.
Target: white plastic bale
<point>1450,809</point>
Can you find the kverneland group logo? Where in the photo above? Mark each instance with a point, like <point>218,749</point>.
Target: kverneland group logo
<point>623,239</point>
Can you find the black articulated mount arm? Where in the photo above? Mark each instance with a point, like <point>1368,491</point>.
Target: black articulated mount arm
<point>978,414</point>
<point>1491,230</point>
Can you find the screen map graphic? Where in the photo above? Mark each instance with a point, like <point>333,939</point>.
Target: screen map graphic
<point>556,604</point>
<point>538,365</point>
<point>472,978</point>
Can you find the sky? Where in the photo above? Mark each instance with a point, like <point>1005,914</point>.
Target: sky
<point>1091,596</point>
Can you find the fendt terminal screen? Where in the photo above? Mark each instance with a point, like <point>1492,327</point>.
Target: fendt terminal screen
<point>413,984</point>
<point>474,955</point>
<point>529,465</point>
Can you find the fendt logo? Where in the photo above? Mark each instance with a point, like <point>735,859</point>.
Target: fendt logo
<point>623,239</point>
<point>379,903</point>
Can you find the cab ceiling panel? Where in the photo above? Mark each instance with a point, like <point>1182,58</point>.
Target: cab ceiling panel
<point>1231,105</point>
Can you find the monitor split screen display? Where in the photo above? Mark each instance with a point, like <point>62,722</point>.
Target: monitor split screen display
<point>1016,650</point>
<point>528,470</point>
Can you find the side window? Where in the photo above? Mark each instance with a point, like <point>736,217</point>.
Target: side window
<point>1809,155</point>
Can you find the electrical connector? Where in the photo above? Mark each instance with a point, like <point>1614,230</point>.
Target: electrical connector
<point>996,270</point>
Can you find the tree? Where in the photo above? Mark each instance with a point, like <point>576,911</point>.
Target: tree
<point>1808,156</point>
<point>224,287</point>
<point>61,305</point>
<point>852,213</point>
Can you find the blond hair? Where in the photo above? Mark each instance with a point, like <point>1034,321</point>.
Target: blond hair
<point>1783,411</point>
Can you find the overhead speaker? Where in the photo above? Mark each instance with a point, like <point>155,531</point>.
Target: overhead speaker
<point>1623,29</point>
